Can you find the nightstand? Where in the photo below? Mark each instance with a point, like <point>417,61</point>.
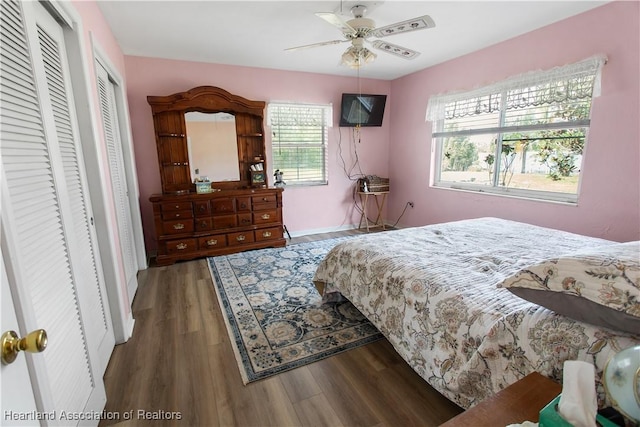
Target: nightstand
<point>521,401</point>
<point>364,201</point>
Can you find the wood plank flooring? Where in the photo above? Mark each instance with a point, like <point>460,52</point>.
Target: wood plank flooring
<point>180,360</point>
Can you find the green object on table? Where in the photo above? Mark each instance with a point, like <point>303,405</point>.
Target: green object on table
<point>550,417</point>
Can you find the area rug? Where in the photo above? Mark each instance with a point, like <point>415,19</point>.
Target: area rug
<point>274,314</point>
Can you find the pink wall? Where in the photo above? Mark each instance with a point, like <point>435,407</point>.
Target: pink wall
<point>305,208</point>
<point>609,201</point>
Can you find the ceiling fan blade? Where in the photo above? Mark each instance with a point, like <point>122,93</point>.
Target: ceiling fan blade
<point>316,45</point>
<point>421,23</point>
<point>394,49</point>
<point>336,21</point>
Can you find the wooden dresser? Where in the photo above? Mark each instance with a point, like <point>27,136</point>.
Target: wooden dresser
<point>198,225</point>
<point>243,213</point>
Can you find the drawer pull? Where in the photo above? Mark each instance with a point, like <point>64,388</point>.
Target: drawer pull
<point>181,246</point>
<point>177,206</point>
<point>264,199</point>
<point>212,242</point>
<point>266,234</point>
<point>241,238</point>
<point>203,208</point>
<point>243,205</point>
<point>177,215</point>
<point>178,226</point>
<point>266,216</point>
<point>245,221</point>
<point>203,224</point>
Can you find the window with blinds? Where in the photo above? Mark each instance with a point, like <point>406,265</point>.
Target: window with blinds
<point>524,136</point>
<point>299,142</point>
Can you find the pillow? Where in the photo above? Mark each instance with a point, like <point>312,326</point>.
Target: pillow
<point>598,285</point>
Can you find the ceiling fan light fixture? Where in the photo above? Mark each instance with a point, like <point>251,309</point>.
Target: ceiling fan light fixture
<point>355,57</point>
<point>368,56</point>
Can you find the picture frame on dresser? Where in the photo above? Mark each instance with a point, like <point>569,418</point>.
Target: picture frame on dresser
<point>258,178</point>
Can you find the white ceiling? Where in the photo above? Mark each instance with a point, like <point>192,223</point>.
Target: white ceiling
<point>255,33</point>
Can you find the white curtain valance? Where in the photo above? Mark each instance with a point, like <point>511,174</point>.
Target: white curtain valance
<point>288,114</point>
<point>565,83</point>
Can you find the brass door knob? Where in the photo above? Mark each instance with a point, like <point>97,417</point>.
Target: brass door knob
<point>34,342</point>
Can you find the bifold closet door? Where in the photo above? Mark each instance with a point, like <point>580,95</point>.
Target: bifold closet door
<point>47,236</point>
<point>118,177</point>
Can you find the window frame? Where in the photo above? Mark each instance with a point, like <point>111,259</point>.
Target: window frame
<point>325,123</point>
<point>501,90</point>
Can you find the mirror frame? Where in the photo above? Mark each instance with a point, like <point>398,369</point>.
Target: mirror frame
<point>210,99</point>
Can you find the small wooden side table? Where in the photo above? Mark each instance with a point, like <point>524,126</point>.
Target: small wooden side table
<point>521,401</point>
<point>364,201</point>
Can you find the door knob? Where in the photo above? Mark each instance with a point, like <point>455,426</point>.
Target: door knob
<point>34,342</point>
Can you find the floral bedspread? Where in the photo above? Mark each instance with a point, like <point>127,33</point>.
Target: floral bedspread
<point>432,291</point>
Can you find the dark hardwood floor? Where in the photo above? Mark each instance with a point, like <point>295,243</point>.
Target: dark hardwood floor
<point>179,369</point>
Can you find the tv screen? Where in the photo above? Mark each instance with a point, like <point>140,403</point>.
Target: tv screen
<point>364,110</point>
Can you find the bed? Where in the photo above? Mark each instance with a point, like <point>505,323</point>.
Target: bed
<point>443,295</point>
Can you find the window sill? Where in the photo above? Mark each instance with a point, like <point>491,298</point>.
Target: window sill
<point>305,184</point>
<point>514,193</point>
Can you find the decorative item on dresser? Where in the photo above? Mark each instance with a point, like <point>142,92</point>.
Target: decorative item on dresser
<point>237,211</point>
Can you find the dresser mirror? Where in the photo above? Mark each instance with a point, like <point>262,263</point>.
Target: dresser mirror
<point>212,146</point>
<point>179,154</point>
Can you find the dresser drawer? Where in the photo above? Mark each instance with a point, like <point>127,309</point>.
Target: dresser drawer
<point>224,221</point>
<point>244,220</point>
<point>236,239</point>
<point>268,234</point>
<point>243,204</point>
<point>267,198</point>
<point>177,215</point>
<point>213,242</point>
<point>176,206</point>
<point>265,217</point>
<point>264,202</point>
<point>204,224</point>
<point>177,226</point>
<point>202,208</point>
<point>179,246</point>
<point>222,205</point>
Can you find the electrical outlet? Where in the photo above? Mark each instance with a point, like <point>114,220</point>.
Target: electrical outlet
<point>410,204</point>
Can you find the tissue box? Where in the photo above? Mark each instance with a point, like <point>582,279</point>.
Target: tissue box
<point>550,417</point>
<point>203,187</point>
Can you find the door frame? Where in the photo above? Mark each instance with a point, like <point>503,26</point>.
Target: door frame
<point>85,94</point>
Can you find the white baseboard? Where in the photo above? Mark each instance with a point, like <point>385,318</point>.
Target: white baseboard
<point>330,230</point>
<point>321,230</point>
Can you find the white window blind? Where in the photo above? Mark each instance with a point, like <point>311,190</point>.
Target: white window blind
<point>299,141</point>
<point>580,80</point>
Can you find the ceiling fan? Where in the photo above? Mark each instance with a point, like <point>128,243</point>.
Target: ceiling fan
<point>358,31</point>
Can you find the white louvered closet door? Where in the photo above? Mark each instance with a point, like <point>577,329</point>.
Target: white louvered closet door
<point>47,242</point>
<point>118,177</point>
<point>98,324</point>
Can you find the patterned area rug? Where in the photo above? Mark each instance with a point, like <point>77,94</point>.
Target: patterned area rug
<point>274,313</point>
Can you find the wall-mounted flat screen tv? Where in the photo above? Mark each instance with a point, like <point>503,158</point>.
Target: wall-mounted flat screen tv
<point>360,109</point>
